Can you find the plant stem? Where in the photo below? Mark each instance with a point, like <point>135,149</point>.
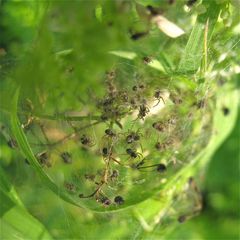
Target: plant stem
<point>65,117</point>
<point>60,116</point>
<point>206,45</point>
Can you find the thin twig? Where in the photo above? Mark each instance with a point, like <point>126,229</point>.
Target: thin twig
<point>63,117</point>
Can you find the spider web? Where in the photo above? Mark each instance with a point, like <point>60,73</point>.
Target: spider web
<point>203,136</point>
<point>124,181</point>
<point>133,78</point>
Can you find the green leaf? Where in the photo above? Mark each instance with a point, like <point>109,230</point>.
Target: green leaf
<point>6,187</point>
<point>63,53</point>
<point>192,57</point>
<point>16,222</point>
<point>26,150</point>
<point>149,211</point>
<point>124,54</point>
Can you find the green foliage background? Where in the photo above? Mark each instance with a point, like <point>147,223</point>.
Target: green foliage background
<point>44,40</point>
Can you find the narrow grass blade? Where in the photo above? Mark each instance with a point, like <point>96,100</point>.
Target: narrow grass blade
<point>26,150</point>
<point>193,54</point>
<point>15,221</point>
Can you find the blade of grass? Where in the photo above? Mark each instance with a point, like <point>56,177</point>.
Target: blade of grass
<point>193,54</point>
<point>7,187</point>
<point>65,117</point>
<point>206,46</point>
<point>16,222</point>
<point>27,152</point>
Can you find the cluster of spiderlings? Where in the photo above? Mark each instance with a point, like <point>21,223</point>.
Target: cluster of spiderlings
<point>114,107</point>
<point>117,104</point>
<point>130,139</point>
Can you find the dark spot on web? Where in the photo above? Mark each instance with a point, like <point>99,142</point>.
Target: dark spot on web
<point>226,111</point>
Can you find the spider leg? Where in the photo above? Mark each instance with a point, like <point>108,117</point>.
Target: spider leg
<point>139,155</point>
<point>141,147</point>
<point>157,103</point>
<point>134,121</point>
<point>130,158</point>
<point>159,100</point>
<point>154,165</point>
<point>162,100</point>
<point>92,194</point>
<point>116,161</point>
<point>118,124</point>
<point>144,170</point>
<point>139,164</point>
<point>98,189</point>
